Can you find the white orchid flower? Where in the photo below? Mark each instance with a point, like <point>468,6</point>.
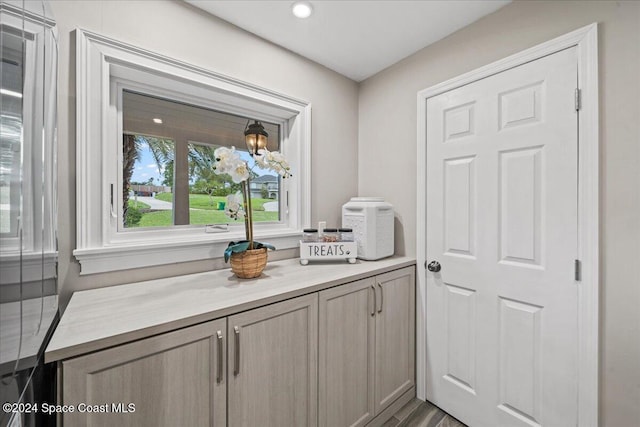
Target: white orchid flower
<point>259,157</point>
<point>239,172</point>
<point>226,160</point>
<point>274,161</point>
<point>229,162</point>
<point>223,153</point>
<point>234,199</point>
<point>234,208</point>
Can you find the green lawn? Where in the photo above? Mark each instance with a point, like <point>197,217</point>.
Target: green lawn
<point>200,217</point>
<point>202,211</point>
<point>203,201</point>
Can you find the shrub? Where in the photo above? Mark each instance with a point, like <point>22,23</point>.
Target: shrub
<point>132,217</point>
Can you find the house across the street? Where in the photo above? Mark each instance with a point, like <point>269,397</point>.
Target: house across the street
<point>265,185</point>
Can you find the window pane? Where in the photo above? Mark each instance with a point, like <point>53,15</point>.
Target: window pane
<point>208,191</point>
<point>178,141</point>
<point>265,195</point>
<point>147,178</point>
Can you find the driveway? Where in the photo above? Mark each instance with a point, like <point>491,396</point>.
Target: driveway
<point>270,206</point>
<point>155,204</point>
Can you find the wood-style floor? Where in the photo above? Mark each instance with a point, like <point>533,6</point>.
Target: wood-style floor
<point>422,414</point>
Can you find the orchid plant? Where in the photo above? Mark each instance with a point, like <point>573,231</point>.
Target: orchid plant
<point>238,206</point>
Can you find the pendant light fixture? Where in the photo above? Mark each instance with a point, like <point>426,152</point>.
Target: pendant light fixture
<point>255,137</point>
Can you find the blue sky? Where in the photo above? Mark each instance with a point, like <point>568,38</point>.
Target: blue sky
<point>146,167</point>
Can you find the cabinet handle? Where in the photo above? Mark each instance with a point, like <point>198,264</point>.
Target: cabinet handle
<point>219,374</point>
<point>236,363</point>
<point>373,311</point>
<point>381,298</point>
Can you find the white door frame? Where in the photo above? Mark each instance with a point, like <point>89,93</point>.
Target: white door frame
<point>586,41</point>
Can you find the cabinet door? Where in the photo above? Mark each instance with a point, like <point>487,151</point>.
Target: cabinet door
<point>395,336</point>
<point>273,365</point>
<point>171,379</point>
<point>346,344</point>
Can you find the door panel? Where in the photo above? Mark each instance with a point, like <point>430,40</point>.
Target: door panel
<point>460,206</point>
<point>272,367</point>
<point>171,379</point>
<point>502,222</point>
<point>460,304</point>
<point>346,364</point>
<point>520,205</point>
<point>395,336</point>
<point>519,376</point>
<point>459,121</point>
<point>520,106</point>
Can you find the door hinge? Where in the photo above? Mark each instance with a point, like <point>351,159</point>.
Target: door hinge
<point>578,97</point>
<point>577,270</point>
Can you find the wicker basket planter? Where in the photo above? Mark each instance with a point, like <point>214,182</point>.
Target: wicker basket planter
<point>250,263</point>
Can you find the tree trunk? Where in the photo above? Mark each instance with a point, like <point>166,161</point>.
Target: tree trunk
<point>130,154</point>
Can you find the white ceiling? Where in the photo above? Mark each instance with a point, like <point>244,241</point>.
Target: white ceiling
<point>355,38</point>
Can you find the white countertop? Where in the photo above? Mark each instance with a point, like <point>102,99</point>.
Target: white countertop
<point>100,318</point>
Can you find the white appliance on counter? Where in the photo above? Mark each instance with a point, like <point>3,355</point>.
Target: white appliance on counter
<point>371,219</point>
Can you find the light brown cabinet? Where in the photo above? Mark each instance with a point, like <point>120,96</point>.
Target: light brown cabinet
<point>337,357</point>
<point>171,379</point>
<point>395,336</point>
<point>366,347</point>
<point>272,367</point>
<point>182,378</point>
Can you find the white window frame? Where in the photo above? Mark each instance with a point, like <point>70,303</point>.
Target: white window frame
<point>104,68</point>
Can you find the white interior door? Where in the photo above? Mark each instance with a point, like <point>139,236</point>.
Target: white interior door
<point>502,329</point>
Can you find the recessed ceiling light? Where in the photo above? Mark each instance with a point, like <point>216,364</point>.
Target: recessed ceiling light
<point>157,121</point>
<point>302,9</point>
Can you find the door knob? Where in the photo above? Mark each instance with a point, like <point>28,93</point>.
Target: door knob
<point>434,266</point>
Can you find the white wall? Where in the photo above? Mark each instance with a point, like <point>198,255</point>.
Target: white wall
<point>181,31</point>
<point>387,142</point>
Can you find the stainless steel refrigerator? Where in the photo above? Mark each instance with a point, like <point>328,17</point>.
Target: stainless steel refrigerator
<point>28,252</point>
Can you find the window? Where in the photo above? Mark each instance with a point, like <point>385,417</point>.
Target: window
<point>147,126</point>
<point>167,164</point>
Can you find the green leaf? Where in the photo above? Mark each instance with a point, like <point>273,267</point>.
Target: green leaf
<point>243,245</point>
<point>234,248</point>
<point>258,245</point>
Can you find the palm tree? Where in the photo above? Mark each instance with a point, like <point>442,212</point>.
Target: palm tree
<point>130,154</point>
<point>161,149</point>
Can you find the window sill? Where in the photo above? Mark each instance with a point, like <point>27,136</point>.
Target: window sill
<point>116,258</point>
